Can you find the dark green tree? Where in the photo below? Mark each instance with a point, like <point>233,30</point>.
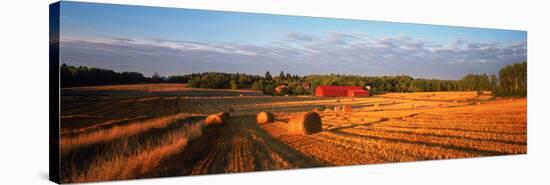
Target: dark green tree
<point>233,84</point>
<point>494,82</point>
<point>513,80</point>
<point>268,76</point>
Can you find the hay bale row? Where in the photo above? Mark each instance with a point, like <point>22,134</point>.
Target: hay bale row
<point>265,117</point>
<point>305,124</point>
<point>345,108</point>
<point>218,119</point>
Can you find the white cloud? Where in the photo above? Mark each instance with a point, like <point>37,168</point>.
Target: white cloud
<point>298,37</point>
<point>177,45</point>
<point>336,52</point>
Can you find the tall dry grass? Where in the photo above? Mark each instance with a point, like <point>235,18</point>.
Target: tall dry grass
<point>130,159</point>
<point>69,143</point>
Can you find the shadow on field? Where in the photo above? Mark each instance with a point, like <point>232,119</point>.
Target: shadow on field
<point>241,142</point>
<point>433,144</point>
<point>355,125</point>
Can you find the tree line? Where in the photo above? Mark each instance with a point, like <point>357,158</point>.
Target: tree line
<point>511,81</point>
<point>87,76</point>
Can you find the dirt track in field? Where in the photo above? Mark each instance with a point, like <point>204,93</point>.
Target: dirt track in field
<point>239,146</point>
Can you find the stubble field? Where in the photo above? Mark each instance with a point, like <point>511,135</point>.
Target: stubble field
<point>155,130</point>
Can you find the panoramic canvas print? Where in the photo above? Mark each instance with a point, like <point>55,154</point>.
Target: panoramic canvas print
<point>158,92</point>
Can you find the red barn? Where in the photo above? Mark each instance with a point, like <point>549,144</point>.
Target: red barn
<point>341,91</point>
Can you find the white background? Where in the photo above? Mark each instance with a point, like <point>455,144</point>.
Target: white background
<point>24,91</point>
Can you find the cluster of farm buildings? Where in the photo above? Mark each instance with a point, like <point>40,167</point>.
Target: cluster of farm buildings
<point>331,91</point>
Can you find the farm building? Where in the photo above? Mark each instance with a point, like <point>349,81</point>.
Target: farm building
<point>281,89</point>
<point>306,86</point>
<point>341,91</point>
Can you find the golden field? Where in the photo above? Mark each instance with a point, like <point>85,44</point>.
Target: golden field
<point>155,130</point>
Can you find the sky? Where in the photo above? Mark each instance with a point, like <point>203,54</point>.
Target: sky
<point>175,41</point>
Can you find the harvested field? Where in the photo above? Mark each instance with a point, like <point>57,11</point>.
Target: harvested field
<point>495,128</point>
<point>440,96</point>
<point>139,131</point>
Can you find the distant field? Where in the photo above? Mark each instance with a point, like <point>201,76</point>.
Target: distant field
<point>440,96</point>
<point>156,130</point>
<point>158,89</point>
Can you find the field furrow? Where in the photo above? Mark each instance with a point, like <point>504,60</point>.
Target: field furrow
<point>482,136</point>
<point>482,147</point>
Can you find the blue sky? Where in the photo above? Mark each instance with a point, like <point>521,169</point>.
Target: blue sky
<point>176,41</point>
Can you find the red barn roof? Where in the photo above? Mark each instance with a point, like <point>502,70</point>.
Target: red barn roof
<point>340,91</point>
<point>345,88</point>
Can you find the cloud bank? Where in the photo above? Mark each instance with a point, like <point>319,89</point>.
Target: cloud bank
<point>297,53</point>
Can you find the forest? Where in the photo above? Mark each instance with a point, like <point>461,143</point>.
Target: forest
<point>511,81</point>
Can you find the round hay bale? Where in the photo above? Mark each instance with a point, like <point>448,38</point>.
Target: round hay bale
<point>225,115</point>
<point>215,120</point>
<point>265,117</point>
<point>305,124</point>
<point>347,108</point>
